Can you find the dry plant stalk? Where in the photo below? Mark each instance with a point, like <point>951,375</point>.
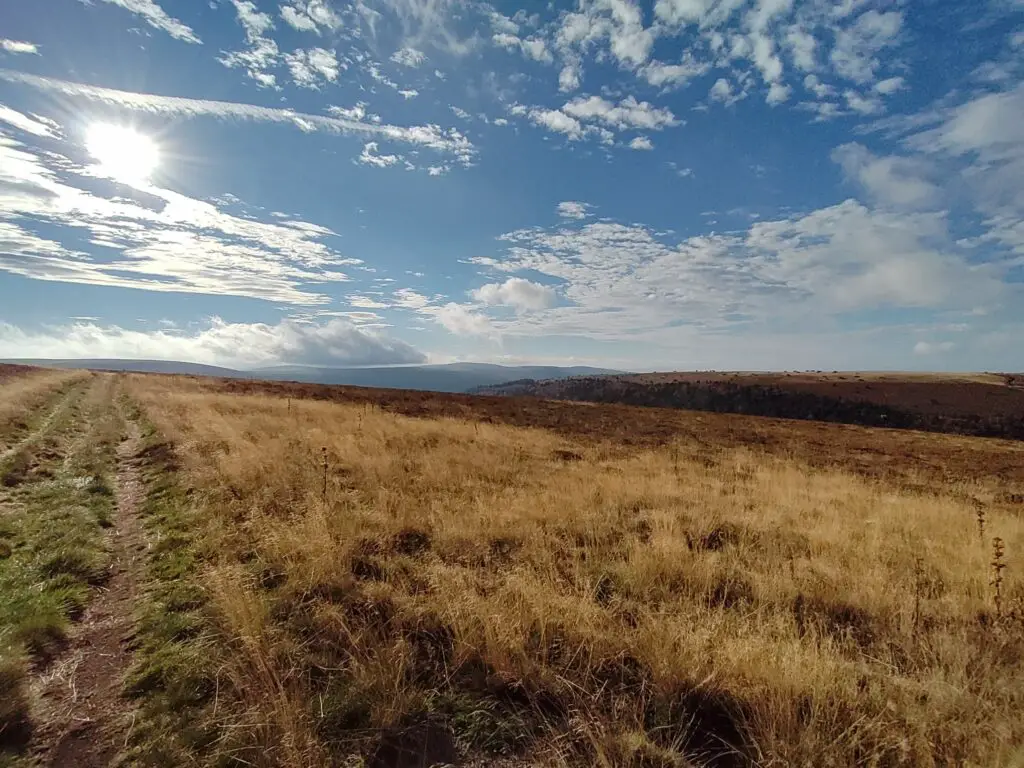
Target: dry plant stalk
<point>998,566</point>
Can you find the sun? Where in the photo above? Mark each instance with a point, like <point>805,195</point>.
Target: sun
<point>122,153</point>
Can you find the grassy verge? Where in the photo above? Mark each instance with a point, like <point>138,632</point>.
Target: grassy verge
<point>173,675</point>
<point>26,401</point>
<point>56,499</point>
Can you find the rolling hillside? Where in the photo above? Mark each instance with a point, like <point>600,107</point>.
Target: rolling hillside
<point>988,405</point>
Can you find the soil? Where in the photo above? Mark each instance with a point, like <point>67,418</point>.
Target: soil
<point>85,721</point>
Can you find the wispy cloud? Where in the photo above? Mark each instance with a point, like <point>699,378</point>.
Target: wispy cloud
<point>449,141</point>
<point>158,18</point>
<point>159,241</point>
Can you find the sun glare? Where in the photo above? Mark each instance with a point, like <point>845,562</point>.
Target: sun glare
<point>122,153</point>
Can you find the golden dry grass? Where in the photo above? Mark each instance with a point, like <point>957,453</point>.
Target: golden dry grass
<point>470,590</point>
<point>21,396</point>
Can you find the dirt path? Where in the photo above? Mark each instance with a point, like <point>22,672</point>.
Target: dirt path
<point>85,720</point>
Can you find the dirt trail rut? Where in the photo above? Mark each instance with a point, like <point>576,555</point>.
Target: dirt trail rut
<point>86,720</point>
<point>44,427</point>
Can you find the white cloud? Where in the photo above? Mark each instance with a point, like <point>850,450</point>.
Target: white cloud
<point>660,74</point>
<point>409,93</point>
<point>896,181</point>
<point>557,121</point>
<point>855,53</point>
<point>813,84</point>
<point>863,105</point>
<point>533,48</point>
<point>18,46</point>
<point>519,293</point>
<point>932,348</point>
<point>310,16</point>
<point>408,57</point>
<point>722,91</point>
<point>462,320</point>
<point>448,141</point>
<point>337,342</point>
<point>570,77</point>
<point>802,46</point>
<point>571,209</point>
<point>777,94</point>
<point>26,123</point>
<point>369,156</point>
<point>407,298</point>
<point>626,282</point>
<point>641,142</point>
<point>628,113</point>
<point>262,53</point>
<point>889,85</point>
<point>366,302</point>
<point>312,66</point>
<point>164,241</point>
<point>156,17</point>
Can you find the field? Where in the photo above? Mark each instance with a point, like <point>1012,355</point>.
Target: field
<point>981,404</point>
<point>214,572</point>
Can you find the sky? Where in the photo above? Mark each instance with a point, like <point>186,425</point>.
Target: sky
<point>670,185</point>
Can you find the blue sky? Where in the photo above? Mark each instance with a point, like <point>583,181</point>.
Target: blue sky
<point>684,184</point>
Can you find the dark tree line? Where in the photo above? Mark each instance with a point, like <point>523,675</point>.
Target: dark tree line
<point>761,400</point>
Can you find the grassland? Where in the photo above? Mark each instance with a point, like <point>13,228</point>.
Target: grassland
<point>348,577</point>
<point>380,588</point>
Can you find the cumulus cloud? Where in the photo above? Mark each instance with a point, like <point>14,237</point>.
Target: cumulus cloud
<point>896,181</point>
<point>409,57</point>
<point>462,320</point>
<point>855,53</point>
<point>370,156</point>
<point>641,142</point>
<point>524,295</point>
<point>571,209</point>
<point>660,74</point>
<point>628,113</point>
<point>337,342</point>
<point>722,91</point>
<point>312,66</point>
<point>622,281</point>
<point>157,18</point>
<point>310,16</point>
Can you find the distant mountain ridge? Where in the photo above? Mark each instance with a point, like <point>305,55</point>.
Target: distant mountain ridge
<point>451,377</point>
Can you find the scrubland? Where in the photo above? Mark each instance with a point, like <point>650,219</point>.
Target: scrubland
<point>333,583</point>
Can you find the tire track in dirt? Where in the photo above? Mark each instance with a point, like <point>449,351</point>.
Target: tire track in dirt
<point>85,719</point>
<point>64,402</point>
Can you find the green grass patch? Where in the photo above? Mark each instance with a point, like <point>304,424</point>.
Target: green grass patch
<point>173,677</point>
<point>52,547</point>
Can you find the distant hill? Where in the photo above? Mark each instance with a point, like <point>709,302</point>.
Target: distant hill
<point>981,404</point>
<point>452,377</point>
<point>142,366</point>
